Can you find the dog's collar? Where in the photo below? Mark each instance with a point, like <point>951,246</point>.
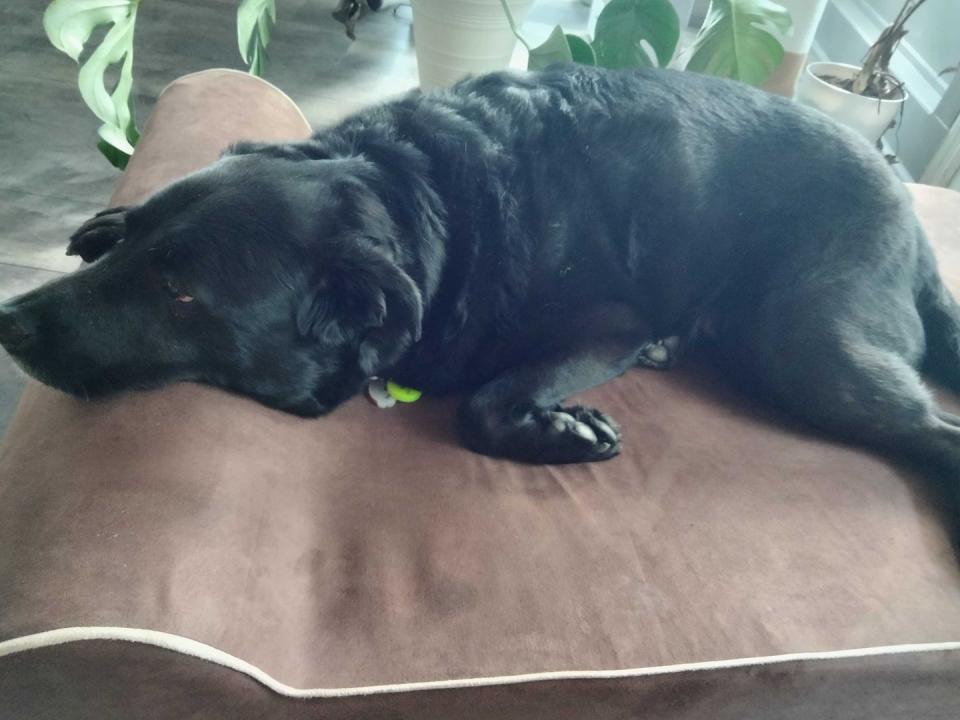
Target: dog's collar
<point>387,393</point>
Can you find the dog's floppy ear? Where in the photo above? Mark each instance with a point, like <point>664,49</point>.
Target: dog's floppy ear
<point>98,234</point>
<point>360,296</point>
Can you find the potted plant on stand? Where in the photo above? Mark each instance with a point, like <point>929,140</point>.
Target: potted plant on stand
<point>865,98</point>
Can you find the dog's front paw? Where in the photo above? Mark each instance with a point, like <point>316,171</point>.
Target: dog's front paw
<point>545,436</point>
<point>579,434</point>
<point>98,234</point>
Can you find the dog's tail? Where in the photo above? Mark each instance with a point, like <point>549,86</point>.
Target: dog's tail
<point>940,314</point>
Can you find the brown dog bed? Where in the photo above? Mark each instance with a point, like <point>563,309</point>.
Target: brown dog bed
<point>188,553</point>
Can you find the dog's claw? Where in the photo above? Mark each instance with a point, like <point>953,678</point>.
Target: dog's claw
<point>580,434</point>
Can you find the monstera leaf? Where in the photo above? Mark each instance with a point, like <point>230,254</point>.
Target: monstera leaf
<point>739,40</point>
<point>561,47</point>
<point>581,51</point>
<point>254,18</point>
<point>69,25</point>
<point>624,25</point>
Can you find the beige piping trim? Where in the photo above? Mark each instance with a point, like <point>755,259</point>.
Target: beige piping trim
<point>200,650</point>
<point>244,74</point>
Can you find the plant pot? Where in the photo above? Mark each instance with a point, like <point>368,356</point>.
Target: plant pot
<point>806,15</point>
<point>454,38</point>
<point>868,116</point>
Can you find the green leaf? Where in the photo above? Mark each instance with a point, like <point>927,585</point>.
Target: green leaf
<point>254,18</point>
<point>553,50</point>
<point>739,40</point>
<point>69,25</point>
<point>625,24</point>
<point>117,158</point>
<point>581,51</point>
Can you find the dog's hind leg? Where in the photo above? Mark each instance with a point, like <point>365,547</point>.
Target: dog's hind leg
<point>845,361</point>
<point>880,400</point>
<point>519,414</point>
<point>941,322</point>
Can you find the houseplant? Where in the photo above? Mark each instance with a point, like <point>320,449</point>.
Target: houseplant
<point>866,98</point>
<point>69,25</point>
<point>738,39</point>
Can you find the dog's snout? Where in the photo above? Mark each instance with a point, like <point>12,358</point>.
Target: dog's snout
<point>16,330</point>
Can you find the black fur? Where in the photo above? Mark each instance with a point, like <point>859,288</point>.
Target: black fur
<point>519,238</point>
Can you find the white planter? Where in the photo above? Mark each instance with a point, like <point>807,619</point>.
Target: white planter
<point>868,116</point>
<point>454,38</point>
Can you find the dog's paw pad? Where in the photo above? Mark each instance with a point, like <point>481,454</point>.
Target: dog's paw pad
<point>582,434</point>
<point>659,354</point>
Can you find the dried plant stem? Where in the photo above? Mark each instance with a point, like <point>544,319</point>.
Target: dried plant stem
<point>876,66</point>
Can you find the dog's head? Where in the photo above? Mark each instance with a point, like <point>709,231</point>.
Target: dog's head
<point>265,273</point>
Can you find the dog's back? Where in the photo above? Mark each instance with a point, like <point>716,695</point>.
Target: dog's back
<point>680,194</point>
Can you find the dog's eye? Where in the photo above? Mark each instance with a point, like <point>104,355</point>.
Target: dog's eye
<point>176,293</point>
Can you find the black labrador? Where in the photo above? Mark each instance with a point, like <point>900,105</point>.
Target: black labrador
<point>520,238</point>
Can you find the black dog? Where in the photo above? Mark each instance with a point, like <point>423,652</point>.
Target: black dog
<point>520,238</point>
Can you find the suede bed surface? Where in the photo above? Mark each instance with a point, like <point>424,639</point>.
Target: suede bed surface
<point>368,548</point>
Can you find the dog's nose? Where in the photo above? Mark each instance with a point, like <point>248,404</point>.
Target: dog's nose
<point>15,330</point>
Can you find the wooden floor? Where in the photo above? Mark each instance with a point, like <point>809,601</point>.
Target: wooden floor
<point>51,175</point>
